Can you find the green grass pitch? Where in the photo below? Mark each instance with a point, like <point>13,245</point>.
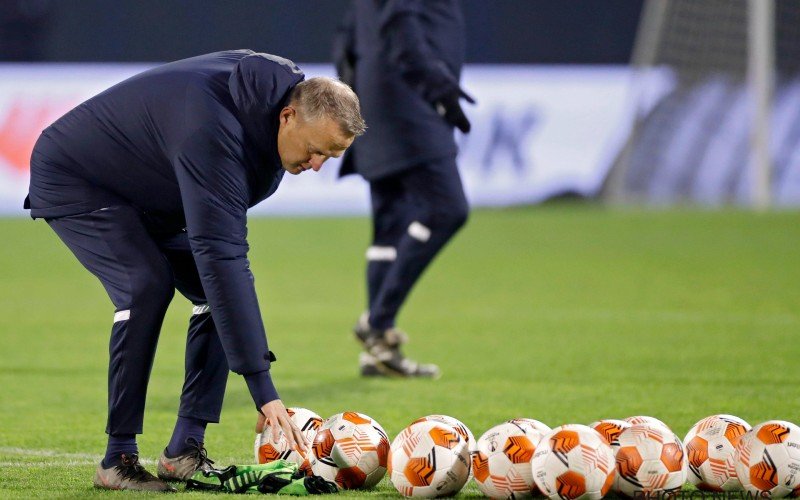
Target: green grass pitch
<point>564,313</point>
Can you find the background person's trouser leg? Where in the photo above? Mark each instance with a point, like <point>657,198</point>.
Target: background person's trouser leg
<point>114,245</point>
<point>388,226</point>
<point>206,365</point>
<point>434,209</point>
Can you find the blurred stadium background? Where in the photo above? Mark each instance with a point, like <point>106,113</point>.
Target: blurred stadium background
<point>662,287</point>
<point>551,79</point>
<point>672,101</point>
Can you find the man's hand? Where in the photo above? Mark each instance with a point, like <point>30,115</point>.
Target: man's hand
<point>449,108</point>
<point>276,415</point>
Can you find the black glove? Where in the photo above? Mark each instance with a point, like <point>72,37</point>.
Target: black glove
<point>211,480</point>
<point>317,485</point>
<point>280,483</point>
<point>449,108</point>
<point>273,483</point>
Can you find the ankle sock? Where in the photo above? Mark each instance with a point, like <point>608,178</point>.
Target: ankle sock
<point>117,445</point>
<point>185,428</point>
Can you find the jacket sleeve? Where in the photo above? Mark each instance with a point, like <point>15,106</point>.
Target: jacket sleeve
<point>410,52</point>
<point>213,185</point>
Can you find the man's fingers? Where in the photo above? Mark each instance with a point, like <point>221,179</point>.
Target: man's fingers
<point>302,440</point>
<point>260,423</point>
<point>276,416</point>
<point>302,443</point>
<point>276,433</point>
<point>293,435</point>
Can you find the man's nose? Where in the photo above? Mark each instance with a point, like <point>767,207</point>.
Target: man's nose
<point>316,162</point>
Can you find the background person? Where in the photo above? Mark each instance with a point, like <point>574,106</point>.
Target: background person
<point>404,58</point>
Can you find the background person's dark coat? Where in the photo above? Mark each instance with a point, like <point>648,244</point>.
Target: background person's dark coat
<point>401,56</point>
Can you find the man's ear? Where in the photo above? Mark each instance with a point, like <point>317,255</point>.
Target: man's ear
<point>286,113</point>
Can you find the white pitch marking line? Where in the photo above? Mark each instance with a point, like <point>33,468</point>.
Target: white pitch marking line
<point>62,458</point>
<point>68,463</point>
<point>29,452</point>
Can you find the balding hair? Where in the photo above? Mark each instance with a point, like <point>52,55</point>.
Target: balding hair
<point>322,97</point>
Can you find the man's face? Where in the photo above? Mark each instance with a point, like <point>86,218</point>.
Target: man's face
<point>304,145</point>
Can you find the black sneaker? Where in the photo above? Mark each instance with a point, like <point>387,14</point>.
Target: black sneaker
<point>130,475</point>
<point>183,466</point>
<point>383,356</point>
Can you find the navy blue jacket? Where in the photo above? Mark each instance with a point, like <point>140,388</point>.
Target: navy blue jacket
<point>406,55</point>
<point>191,144</point>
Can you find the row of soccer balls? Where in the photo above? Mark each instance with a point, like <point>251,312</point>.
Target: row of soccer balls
<point>638,456</point>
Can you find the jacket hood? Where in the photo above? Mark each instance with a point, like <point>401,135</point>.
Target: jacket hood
<point>260,85</point>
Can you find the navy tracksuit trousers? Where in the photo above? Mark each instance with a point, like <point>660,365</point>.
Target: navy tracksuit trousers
<point>414,214</point>
<point>140,269</point>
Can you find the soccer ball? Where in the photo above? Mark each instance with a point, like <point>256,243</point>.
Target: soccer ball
<point>650,462</point>
<point>351,450</point>
<point>428,459</point>
<point>502,462</point>
<point>710,445</point>
<point>767,459</point>
<point>645,420</point>
<point>610,429</point>
<point>573,462</point>
<point>268,450</point>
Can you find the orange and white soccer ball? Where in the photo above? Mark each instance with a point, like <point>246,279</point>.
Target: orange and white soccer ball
<point>501,464</point>
<point>351,450</point>
<point>428,459</point>
<point>268,450</point>
<point>650,462</point>
<point>573,462</point>
<point>710,446</point>
<point>610,429</point>
<point>768,460</point>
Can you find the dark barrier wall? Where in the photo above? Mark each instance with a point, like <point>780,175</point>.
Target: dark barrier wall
<point>501,31</point>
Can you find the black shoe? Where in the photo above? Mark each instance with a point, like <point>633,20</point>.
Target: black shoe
<point>383,356</point>
<point>130,475</point>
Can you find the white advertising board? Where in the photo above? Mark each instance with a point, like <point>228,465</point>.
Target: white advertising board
<point>538,131</point>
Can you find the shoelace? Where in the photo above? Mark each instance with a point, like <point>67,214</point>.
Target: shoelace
<point>132,469</point>
<point>200,453</point>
